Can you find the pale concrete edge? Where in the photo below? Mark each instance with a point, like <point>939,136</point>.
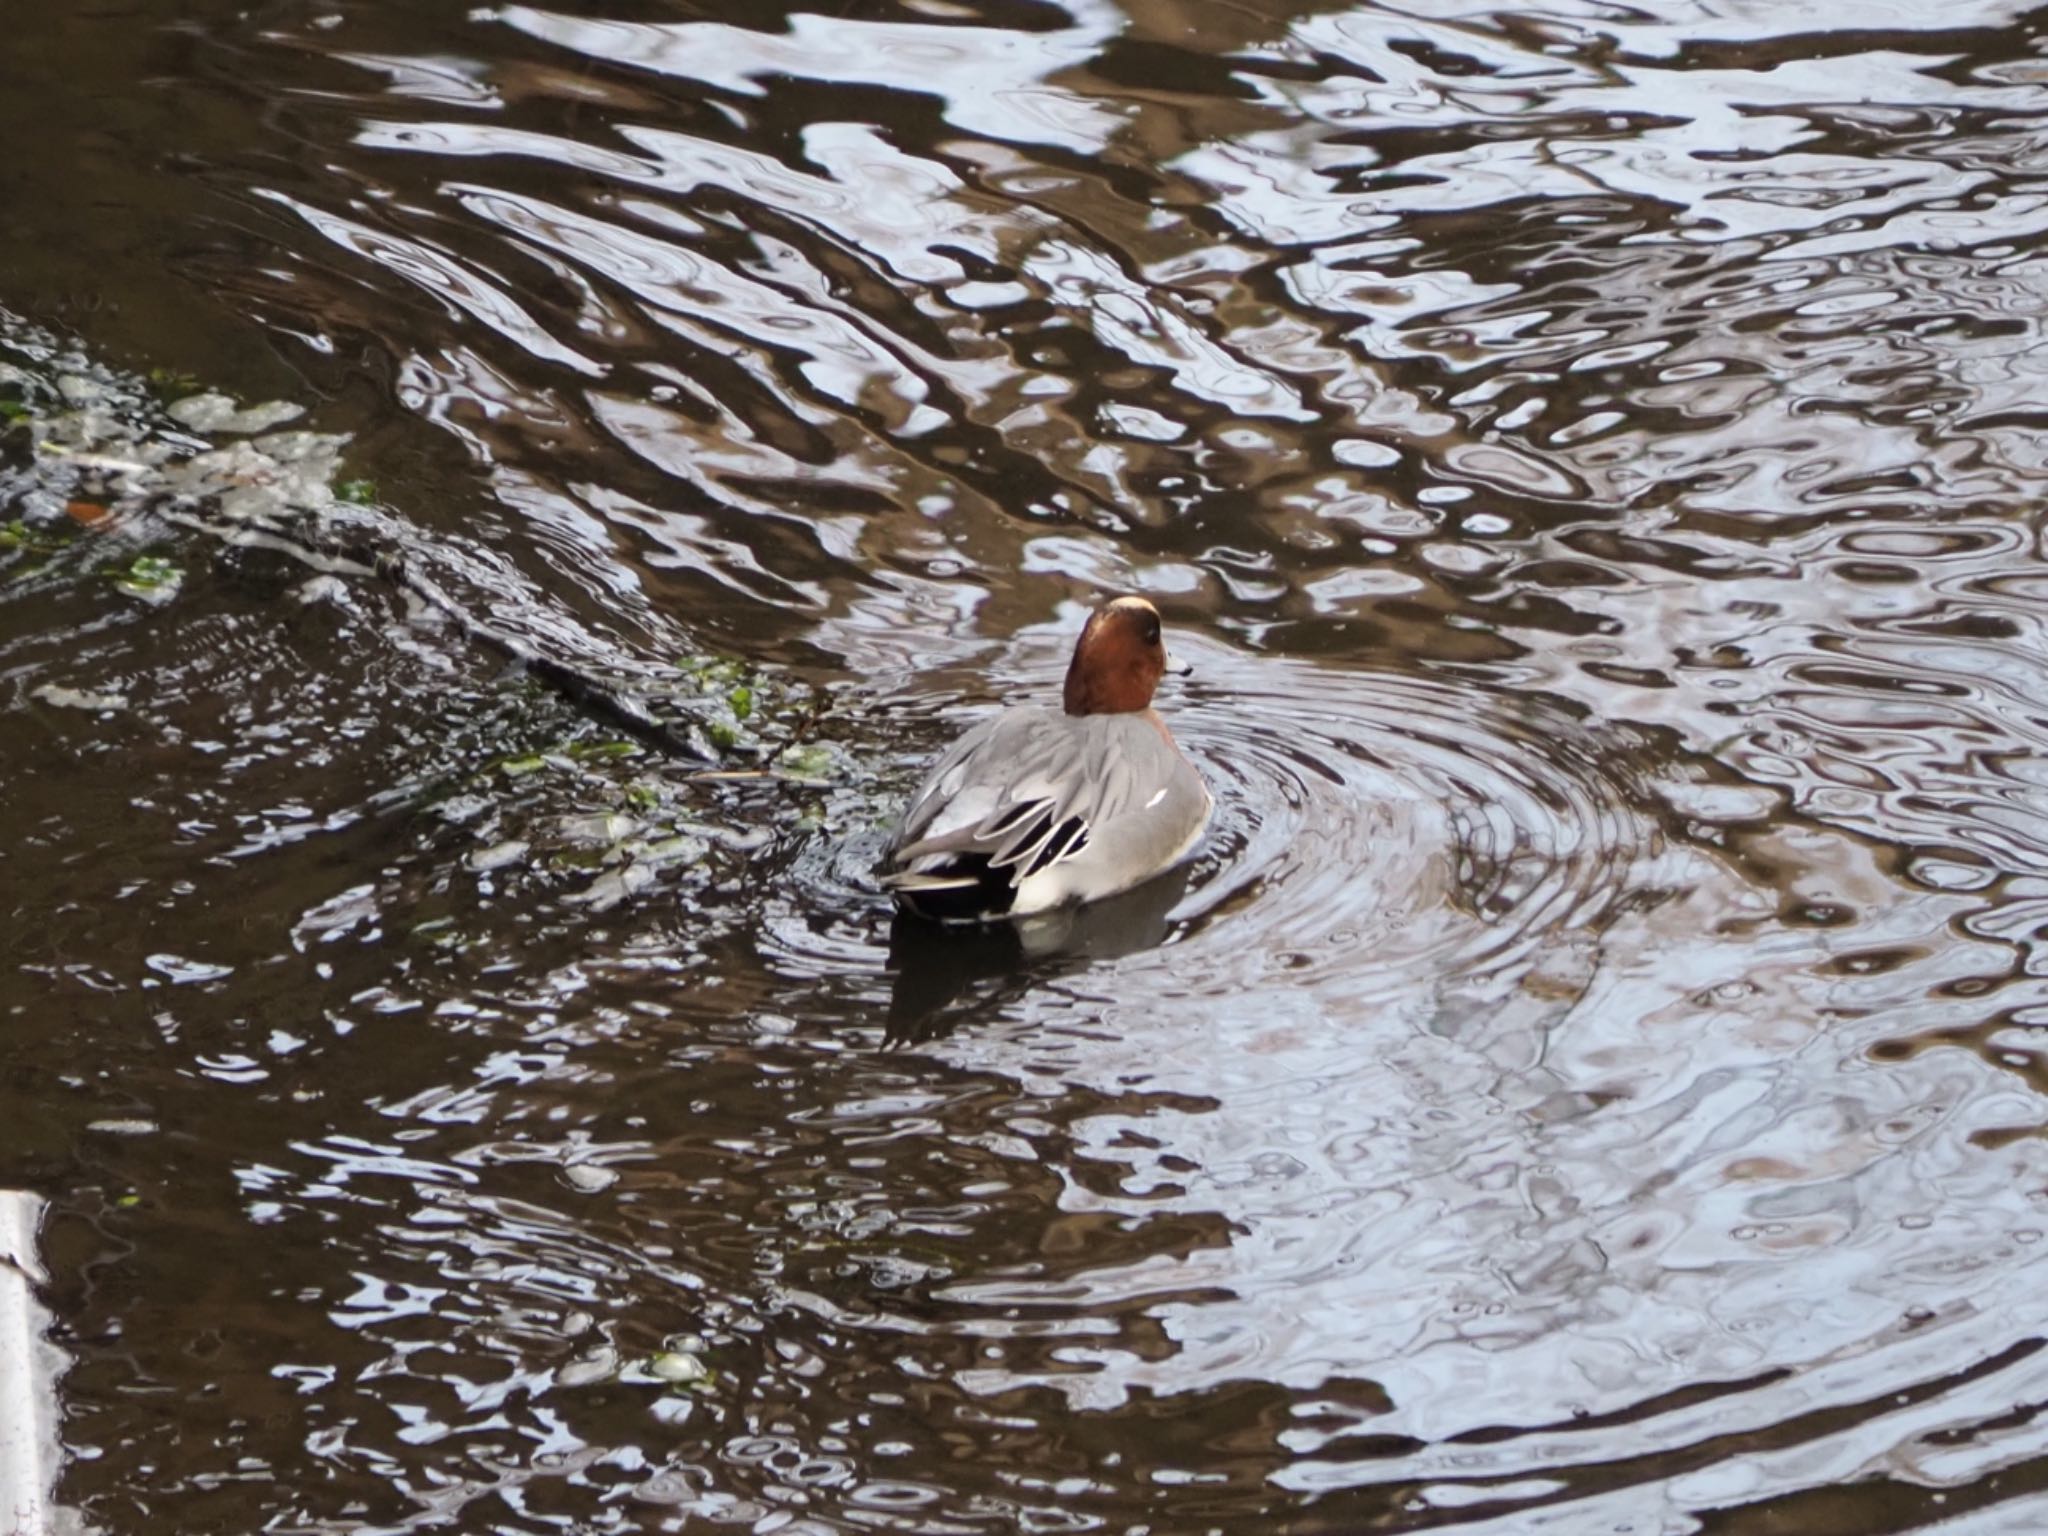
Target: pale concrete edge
<point>30,1364</point>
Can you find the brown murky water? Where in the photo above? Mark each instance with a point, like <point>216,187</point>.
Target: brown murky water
<point>1588,1083</point>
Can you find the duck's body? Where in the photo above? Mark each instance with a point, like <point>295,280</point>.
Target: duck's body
<point>1037,808</point>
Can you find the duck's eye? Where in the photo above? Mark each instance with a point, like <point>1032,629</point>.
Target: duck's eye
<point>1151,631</point>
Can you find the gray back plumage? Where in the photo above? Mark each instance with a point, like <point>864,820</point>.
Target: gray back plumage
<point>1095,767</point>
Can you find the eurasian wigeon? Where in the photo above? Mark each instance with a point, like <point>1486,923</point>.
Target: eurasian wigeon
<point>1035,808</point>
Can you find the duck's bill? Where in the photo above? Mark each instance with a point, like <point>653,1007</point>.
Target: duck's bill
<point>1177,667</point>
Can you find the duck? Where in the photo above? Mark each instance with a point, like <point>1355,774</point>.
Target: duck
<point>1037,809</point>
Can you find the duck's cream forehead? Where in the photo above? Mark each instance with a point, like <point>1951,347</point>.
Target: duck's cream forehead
<point>1134,606</point>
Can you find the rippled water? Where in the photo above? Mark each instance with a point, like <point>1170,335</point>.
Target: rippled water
<point>1588,1080</point>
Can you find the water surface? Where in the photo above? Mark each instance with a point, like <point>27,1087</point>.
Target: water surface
<point>1586,1083</point>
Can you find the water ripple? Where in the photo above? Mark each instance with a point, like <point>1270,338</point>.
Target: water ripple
<point>1588,1077</point>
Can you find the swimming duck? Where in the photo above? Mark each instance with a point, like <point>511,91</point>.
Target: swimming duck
<point>1035,808</point>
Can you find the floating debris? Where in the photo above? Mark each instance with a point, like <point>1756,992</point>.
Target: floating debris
<point>17,535</point>
<point>612,887</point>
<point>215,412</point>
<point>106,471</point>
<point>678,1369</point>
<point>590,1178</point>
<point>678,1366</point>
<point>79,698</point>
<point>459,810</point>
<point>323,589</point>
<point>587,1370</point>
<point>498,855</point>
<point>602,829</point>
<point>679,849</point>
<point>151,578</point>
<point>810,762</point>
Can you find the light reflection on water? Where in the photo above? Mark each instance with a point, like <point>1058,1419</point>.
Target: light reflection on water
<point>1586,1082</point>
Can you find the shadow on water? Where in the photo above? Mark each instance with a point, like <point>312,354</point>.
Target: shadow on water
<point>1588,1079</point>
<point>942,974</point>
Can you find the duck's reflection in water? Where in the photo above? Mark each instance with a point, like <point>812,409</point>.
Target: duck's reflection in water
<point>947,975</point>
